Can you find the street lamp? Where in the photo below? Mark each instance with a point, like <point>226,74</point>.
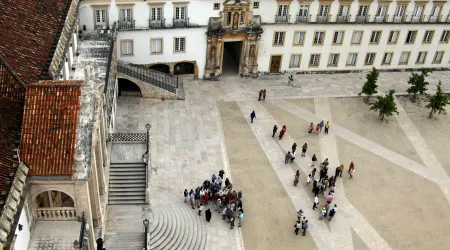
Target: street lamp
<point>146,224</point>
<point>178,72</point>
<point>148,126</point>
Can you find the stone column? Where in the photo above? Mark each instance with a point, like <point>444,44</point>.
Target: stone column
<point>94,194</point>
<point>254,69</point>
<point>219,56</point>
<point>83,204</point>
<point>100,166</point>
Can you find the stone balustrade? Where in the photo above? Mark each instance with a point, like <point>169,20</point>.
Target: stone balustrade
<point>55,213</point>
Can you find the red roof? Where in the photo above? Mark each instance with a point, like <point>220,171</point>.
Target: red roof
<point>29,32</point>
<point>49,129</point>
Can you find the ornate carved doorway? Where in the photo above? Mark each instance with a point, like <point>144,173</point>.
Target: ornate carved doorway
<point>231,57</point>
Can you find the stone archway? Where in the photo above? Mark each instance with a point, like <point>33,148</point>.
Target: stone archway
<point>53,198</point>
<point>164,68</point>
<point>184,68</point>
<point>128,88</point>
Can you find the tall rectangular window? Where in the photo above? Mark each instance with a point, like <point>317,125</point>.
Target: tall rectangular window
<point>351,60</point>
<point>444,37</point>
<point>411,37</point>
<point>404,57</point>
<point>393,36</point>
<point>387,58</point>
<point>303,11</point>
<point>314,60</point>
<point>126,47</point>
<point>338,37</point>
<point>333,60</point>
<point>100,17</point>
<point>228,18</point>
<point>375,37</point>
<point>421,57</point>
<point>323,10</point>
<point>344,10</point>
<point>362,11</point>
<point>295,61</point>
<point>279,38</point>
<point>438,57</point>
<point>242,17</point>
<point>357,36</point>
<point>156,45</point>
<point>180,13</point>
<point>156,13</point>
<point>299,37</point>
<point>283,10</point>
<point>318,37</point>
<point>179,44</point>
<point>418,11</point>
<point>125,15</point>
<point>400,11</point>
<point>381,11</point>
<point>428,36</point>
<point>370,57</point>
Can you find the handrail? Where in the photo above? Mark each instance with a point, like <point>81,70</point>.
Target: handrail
<point>83,228</point>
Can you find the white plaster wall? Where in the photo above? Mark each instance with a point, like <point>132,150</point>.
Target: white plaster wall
<point>195,46</point>
<point>23,236</point>
<point>86,14</point>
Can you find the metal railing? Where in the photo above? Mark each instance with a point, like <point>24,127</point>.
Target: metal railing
<point>150,76</point>
<point>303,19</point>
<point>368,19</point>
<point>157,24</point>
<point>83,240</point>
<point>322,19</point>
<point>343,19</point>
<point>180,23</point>
<point>361,19</point>
<point>127,25</point>
<point>282,19</point>
<point>55,213</point>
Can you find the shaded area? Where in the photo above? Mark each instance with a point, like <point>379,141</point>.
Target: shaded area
<point>161,68</point>
<point>408,211</point>
<point>128,88</point>
<point>184,68</point>
<point>269,212</point>
<point>231,57</point>
<point>358,243</point>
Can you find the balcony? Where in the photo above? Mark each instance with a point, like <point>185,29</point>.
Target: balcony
<point>180,23</point>
<point>361,19</point>
<point>127,25</point>
<point>157,24</point>
<point>282,19</point>
<point>433,19</point>
<point>52,213</point>
<point>303,19</point>
<point>400,19</point>
<point>322,19</point>
<point>416,19</point>
<point>380,19</point>
<point>342,19</point>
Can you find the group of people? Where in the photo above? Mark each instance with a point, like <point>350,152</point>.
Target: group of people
<point>282,131</point>
<point>262,95</point>
<point>320,125</point>
<point>225,200</point>
<point>290,155</point>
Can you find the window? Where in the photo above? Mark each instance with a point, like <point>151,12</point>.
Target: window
<point>179,44</point>
<point>436,11</point>
<point>400,11</point>
<point>180,13</point>
<point>404,57</point>
<point>100,17</point>
<point>228,18</point>
<point>445,35</point>
<point>314,60</point>
<point>351,60</point>
<point>303,12</point>
<point>318,37</point>
<point>242,17</point>
<point>381,11</point>
<point>343,10</point>
<point>418,10</point>
<point>362,12</point>
<point>156,14</point>
<point>393,36</point>
<point>295,61</point>
<point>387,58</point>
<point>299,37</point>
<point>126,47</point>
<point>411,37</point>
<point>333,60</point>
<point>283,10</point>
<point>428,36</point>
<point>323,10</point>
<point>156,45</point>
<point>370,57</point>
<point>125,15</point>
<point>438,56</point>
<point>255,5</point>
<point>216,6</point>
<point>421,57</point>
<point>338,37</point>
<point>278,38</point>
<point>357,36</point>
<point>375,37</point>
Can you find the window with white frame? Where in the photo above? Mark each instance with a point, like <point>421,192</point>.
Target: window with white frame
<point>323,10</point>
<point>357,36</point>
<point>338,37</point>
<point>421,57</point>
<point>445,35</point>
<point>344,10</point>
<point>393,36</point>
<point>400,11</point>
<point>156,14</point>
<point>156,45</point>
<point>180,12</point>
<point>303,11</point>
<point>100,17</point>
<point>404,57</point>
<point>278,38</point>
<point>436,11</point>
<point>299,37</point>
<point>418,11</point>
<point>318,37</point>
<point>370,57</point>
<point>126,47</point>
<point>283,10</point>
<point>375,37</point>
<point>411,37</point>
<point>126,15</point>
<point>362,11</point>
<point>387,58</point>
<point>438,57</point>
<point>179,44</point>
<point>333,60</point>
<point>428,36</point>
<point>216,6</point>
<point>295,61</point>
<point>314,60</point>
<point>351,60</point>
<point>256,5</point>
<point>381,11</point>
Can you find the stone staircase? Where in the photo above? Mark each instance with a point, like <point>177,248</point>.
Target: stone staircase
<point>124,227</point>
<point>127,183</point>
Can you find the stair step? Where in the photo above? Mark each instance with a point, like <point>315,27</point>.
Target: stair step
<point>127,185</point>
<point>122,194</point>
<point>119,170</point>
<point>127,189</point>
<point>130,181</point>
<point>127,174</point>
<point>129,202</point>
<point>135,177</point>
<point>136,197</point>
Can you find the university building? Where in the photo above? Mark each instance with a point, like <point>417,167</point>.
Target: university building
<point>206,39</point>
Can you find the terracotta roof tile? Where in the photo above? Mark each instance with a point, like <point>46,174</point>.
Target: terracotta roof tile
<point>49,130</point>
<point>30,31</point>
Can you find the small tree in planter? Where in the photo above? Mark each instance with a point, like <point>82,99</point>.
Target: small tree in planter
<point>385,105</point>
<point>370,86</point>
<point>438,101</point>
<point>418,83</point>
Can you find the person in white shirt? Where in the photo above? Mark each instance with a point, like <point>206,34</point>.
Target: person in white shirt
<point>316,202</point>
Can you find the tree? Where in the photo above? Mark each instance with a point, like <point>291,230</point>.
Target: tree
<point>418,83</point>
<point>385,105</point>
<point>438,101</point>
<point>370,86</point>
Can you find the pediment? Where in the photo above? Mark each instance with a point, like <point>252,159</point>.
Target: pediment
<point>236,2</point>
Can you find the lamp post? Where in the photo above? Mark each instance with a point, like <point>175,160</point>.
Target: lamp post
<point>146,224</point>
<point>178,72</point>
<point>148,126</point>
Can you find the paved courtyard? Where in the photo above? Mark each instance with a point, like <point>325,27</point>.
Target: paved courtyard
<point>399,198</point>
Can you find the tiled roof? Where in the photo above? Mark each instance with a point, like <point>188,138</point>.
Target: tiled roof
<point>29,34</point>
<point>11,119</point>
<point>49,129</point>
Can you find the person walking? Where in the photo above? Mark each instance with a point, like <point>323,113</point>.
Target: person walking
<point>291,80</point>
<point>310,128</point>
<point>264,94</point>
<point>283,130</point>
<point>287,157</point>
<point>313,172</point>
<point>322,124</point>
<point>252,115</point>
<point>308,180</point>
<point>341,169</point>
<point>304,227</point>
<point>329,198</point>
<point>313,160</point>
<point>316,202</point>
<point>351,172</point>
<point>293,157</point>
<point>241,218</point>
<point>304,148</point>
<point>327,127</point>
<point>185,195</point>
<point>192,200</point>
<point>200,208</point>
<point>337,172</point>
<point>297,227</point>
<point>275,128</point>
<point>232,222</point>
<point>327,208</point>
<point>294,147</point>
<point>299,215</point>
<point>322,213</point>
<point>224,212</point>
<point>318,128</point>
<point>332,213</point>
<point>260,95</point>
<point>208,215</point>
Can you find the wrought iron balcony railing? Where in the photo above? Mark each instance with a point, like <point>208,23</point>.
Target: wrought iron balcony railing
<point>180,23</point>
<point>282,19</point>
<point>303,19</point>
<point>127,25</point>
<point>343,19</point>
<point>157,24</point>
<point>322,19</point>
<point>362,19</point>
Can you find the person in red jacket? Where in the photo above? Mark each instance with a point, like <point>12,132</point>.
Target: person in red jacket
<point>283,130</point>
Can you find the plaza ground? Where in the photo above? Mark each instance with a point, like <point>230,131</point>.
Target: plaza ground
<point>398,199</point>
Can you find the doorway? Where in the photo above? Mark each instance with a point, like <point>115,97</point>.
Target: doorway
<point>275,62</point>
<point>231,57</point>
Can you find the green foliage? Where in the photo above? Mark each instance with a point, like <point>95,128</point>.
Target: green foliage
<point>370,86</point>
<point>438,101</point>
<point>418,83</point>
<point>385,105</point>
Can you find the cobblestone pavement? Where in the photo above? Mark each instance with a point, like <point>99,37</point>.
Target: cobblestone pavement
<point>188,145</point>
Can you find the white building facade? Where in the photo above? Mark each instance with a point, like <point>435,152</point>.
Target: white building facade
<point>275,36</point>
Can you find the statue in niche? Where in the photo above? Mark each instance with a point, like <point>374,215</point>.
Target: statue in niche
<point>212,55</point>
<point>252,50</point>
<point>235,20</point>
